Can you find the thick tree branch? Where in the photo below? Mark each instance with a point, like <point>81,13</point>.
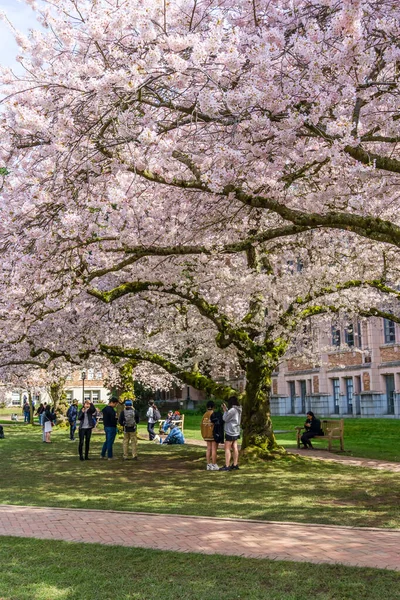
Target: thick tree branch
<point>227,334</point>
<point>195,379</point>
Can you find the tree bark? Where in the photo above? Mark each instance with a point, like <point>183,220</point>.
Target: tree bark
<point>258,436</point>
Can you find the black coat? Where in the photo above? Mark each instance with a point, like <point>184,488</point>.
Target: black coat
<point>90,412</point>
<point>315,426</point>
<point>109,416</point>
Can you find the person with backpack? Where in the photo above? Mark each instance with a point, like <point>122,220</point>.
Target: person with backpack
<point>72,415</point>
<point>110,422</point>
<point>129,418</point>
<point>232,417</point>
<point>153,415</point>
<point>212,431</point>
<point>86,424</point>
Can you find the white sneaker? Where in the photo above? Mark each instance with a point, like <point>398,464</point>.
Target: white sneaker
<point>214,468</point>
<point>210,467</point>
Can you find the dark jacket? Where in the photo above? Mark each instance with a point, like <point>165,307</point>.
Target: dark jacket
<point>218,422</point>
<point>121,420</point>
<point>109,416</point>
<point>90,412</point>
<point>315,426</point>
<point>49,416</point>
<point>72,413</point>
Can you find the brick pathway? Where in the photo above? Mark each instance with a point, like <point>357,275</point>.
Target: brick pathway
<point>366,547</point>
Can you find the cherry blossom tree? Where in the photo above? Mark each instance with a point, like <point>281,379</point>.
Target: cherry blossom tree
<point>169,166</point>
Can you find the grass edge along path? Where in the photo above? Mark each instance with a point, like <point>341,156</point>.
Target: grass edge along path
<point>368,547</point>
<point>41,569</point>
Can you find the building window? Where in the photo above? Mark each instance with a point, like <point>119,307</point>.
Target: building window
<point>389,380</point>
<point>99,375</point>
<point>335,336</point>
<point>349,394</point>
<point>336,396</point>
<point>292,394</point>
<point>389,331</point>
<point>303,394</point>
<point>349,335</point>
<point>90,374</point>
<point>16,399</point>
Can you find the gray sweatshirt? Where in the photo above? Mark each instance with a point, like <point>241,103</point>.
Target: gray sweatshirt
<point>232,418</point>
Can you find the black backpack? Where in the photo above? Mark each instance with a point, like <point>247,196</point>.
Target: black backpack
<point>1,432</point>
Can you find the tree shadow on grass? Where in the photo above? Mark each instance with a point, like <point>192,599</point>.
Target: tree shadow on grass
<point>71,571</point>
<point>173,479</point>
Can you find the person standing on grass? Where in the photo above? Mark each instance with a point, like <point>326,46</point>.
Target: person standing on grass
<point>232,417</point>
<point>72,415</point>
<point>40,412</point>
<point>207,432</point>
<point>86,424</point>
<point>26,411</point>
<point>129,418</point>
<point>49,419</point>
<point>151,419</point>
<point>110,428</point>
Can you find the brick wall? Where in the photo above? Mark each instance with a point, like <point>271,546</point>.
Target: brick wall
<point>366,385</point>
<point>390,353</point>
<point>347,359</point>
<point>298,364</point>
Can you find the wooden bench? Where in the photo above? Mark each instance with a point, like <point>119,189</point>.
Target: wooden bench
<point>179,424</point>
<point>333,430</point>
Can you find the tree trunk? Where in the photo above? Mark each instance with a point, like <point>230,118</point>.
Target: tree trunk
<point>30,408</point>
<point>258,435</point>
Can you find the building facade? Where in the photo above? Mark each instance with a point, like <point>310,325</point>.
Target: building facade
<point>357,376</point>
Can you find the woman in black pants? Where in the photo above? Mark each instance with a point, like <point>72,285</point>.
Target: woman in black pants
<point>313,428</point>
<point>86,424</point>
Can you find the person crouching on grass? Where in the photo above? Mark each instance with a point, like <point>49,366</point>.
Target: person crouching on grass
<point>232,417</point>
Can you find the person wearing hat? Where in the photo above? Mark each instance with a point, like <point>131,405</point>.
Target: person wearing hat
<point>167,422</point>
<point>72,415</point>
<point>129,418</point>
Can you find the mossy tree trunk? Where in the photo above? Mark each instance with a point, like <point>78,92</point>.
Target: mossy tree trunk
<point>258,435</point>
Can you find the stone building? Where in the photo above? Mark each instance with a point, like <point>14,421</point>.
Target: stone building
<point>358,374</point>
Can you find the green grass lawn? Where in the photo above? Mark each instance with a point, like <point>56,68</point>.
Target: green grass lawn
<point>52,570</point>
<point>173,479</point>
<point>366,438</point>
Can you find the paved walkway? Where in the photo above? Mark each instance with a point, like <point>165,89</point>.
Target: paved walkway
<point>366,547</point>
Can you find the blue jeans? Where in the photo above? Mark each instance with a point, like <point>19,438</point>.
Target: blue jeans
<point>72,429</point>
<point>110,432</point>
<point>27,417</point>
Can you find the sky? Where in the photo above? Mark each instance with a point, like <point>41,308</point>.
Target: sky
<point>23,18</point>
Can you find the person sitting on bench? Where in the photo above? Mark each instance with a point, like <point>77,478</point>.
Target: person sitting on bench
<point>313,428</point>
<point>167,422</point>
